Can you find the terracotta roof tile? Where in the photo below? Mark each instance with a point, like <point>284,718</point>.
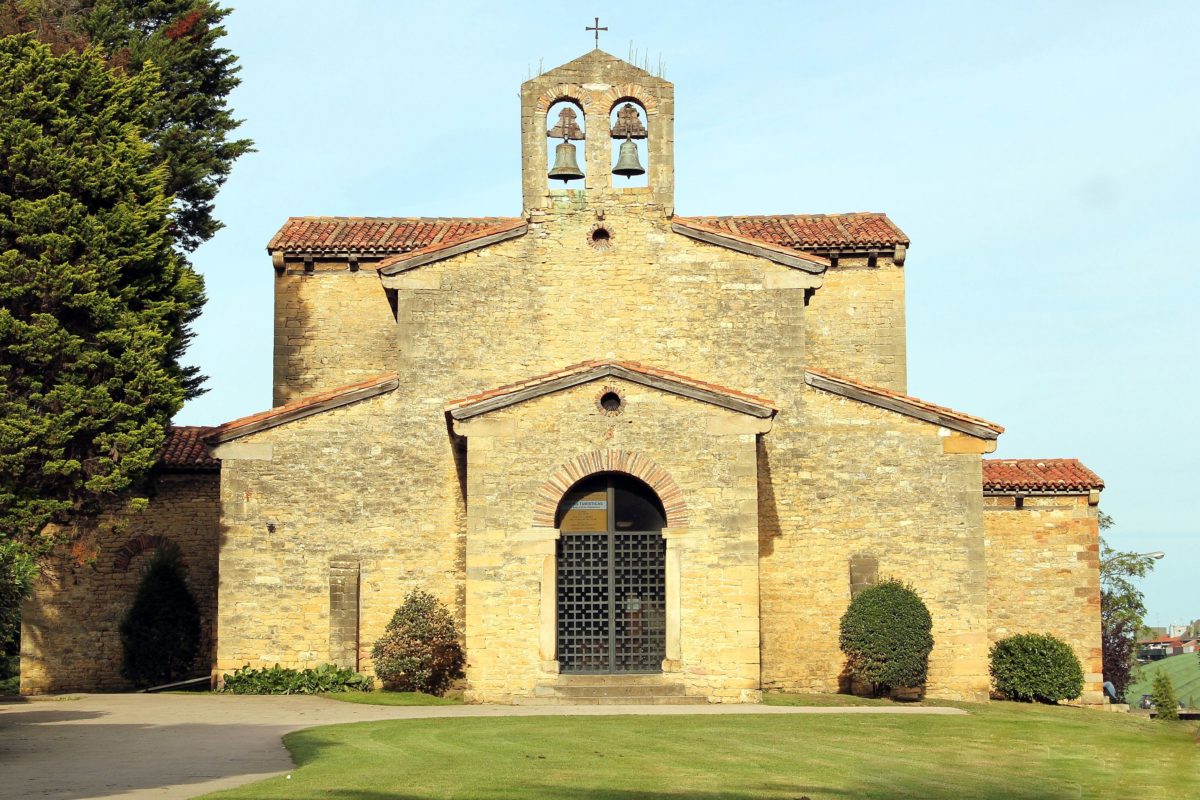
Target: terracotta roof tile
<point>384,236</point>
<point>389,236</point>
<point>458,237</point>
<point>185,450</point>
<point>1038,475</point>
<point>807,232</point>
<point>242,425</point>
<point>910,400</point>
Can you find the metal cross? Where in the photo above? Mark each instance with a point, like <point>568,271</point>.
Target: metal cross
<point>597,29</point>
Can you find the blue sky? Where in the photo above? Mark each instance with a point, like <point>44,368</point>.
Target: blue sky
<point>1042,157</point>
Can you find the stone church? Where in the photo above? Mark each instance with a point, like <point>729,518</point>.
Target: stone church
<point>638,454</point>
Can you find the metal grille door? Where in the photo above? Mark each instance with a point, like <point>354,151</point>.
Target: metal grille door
<point>584,603</point>
<point>611,602</point>
<point>639,602</point>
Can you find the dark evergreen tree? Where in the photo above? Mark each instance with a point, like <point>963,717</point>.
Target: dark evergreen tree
<point>192,123</point>
<point>95,303</point>
<point>160,634</point>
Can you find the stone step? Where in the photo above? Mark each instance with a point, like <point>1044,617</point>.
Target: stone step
<point>607,690</point>
<point>647,700</point>
<point>627,679</point>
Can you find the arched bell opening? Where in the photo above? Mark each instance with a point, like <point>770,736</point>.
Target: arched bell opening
<point>564,144</point>
<point>630,144</point>
<point>611,577</point>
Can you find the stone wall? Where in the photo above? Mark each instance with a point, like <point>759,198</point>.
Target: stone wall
<point>855,323</point>
<point>707,452</point>
<point>1044,574</point>
<point>307,503</point>
<point>332,326</point>
<point>856,481</point>
<point>70,639</point>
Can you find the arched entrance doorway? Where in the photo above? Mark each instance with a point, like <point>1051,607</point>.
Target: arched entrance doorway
<point>611,577</point>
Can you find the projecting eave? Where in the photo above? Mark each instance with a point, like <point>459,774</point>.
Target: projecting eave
<point>814,265</point>
<point>443,250</point>
<point>587,371</point>
<point>903,404</point>
<point>302,408</point>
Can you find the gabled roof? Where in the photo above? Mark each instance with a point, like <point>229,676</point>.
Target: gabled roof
<point>377,236</point>
<point>903,404</point>
<point>304,407</point>
<point>798,236</point>
<point>453,247</point>
<point>755,247</point>
<point>599,56</point>
<point>586,371</point>
<point>184,450</point>
<point>811,232</point>
<point>1038,475</point>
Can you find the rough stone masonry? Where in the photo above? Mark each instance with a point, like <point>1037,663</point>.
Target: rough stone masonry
<point>440,385</point>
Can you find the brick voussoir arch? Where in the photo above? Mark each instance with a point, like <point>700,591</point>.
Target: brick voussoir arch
<point>138,545</point>
<point>639,466</point>
<point>630,91</point>
<point>567,92</point>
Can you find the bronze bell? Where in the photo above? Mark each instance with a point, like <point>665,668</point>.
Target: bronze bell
<point>565,169</point>
<point>627,162</point>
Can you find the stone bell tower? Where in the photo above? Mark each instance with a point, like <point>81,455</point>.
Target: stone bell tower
<point>596,85</point>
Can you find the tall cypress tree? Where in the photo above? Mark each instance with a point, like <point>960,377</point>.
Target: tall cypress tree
<point>95,302</point>
<point>192,125</point>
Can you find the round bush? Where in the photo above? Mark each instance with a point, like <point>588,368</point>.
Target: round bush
<point>886,634</point>
<point>419,650</point>
<point>1036,667</point>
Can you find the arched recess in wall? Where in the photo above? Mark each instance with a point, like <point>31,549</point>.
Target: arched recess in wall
<point>141,544</point>
<point>630,143</point>
<point>571,472</point>
<point>565,148</point>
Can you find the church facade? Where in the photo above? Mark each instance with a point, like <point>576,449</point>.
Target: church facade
<point>624,446</point>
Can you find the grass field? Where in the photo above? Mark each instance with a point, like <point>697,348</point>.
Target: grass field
<point>1185,677</point>
<point>1002,750</point>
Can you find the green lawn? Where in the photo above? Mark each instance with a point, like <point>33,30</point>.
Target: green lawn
<point>388,698</point>
<point>1003,750</point>
<point>1185,677</point>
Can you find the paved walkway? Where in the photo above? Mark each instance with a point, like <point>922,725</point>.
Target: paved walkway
<point>180,745</point>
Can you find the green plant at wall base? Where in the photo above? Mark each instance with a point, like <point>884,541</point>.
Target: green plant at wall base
<point>1166,705</point>
<point>1036,667</point>
<point>419,650</point>
<point>324,679</point>
<point>886,634</point>
<point>160,634</point>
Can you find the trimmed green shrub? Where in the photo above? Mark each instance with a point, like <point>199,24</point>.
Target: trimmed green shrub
<point>280,680</point>
<point>419,649</point>
<point>1036,667</point>
<point>160,634</point>
<point>886,634</point>
<point>1162,695</point>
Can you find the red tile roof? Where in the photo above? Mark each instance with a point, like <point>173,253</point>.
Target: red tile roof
<point>378,235</point>
<point>584,367</point>
<point>185,450</point>
<point>388,236</point>
<point>907,400</point>
<point>480,238</point>
<point>805,232</point>
<point>303,406</point>
<point>1038,475</point>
